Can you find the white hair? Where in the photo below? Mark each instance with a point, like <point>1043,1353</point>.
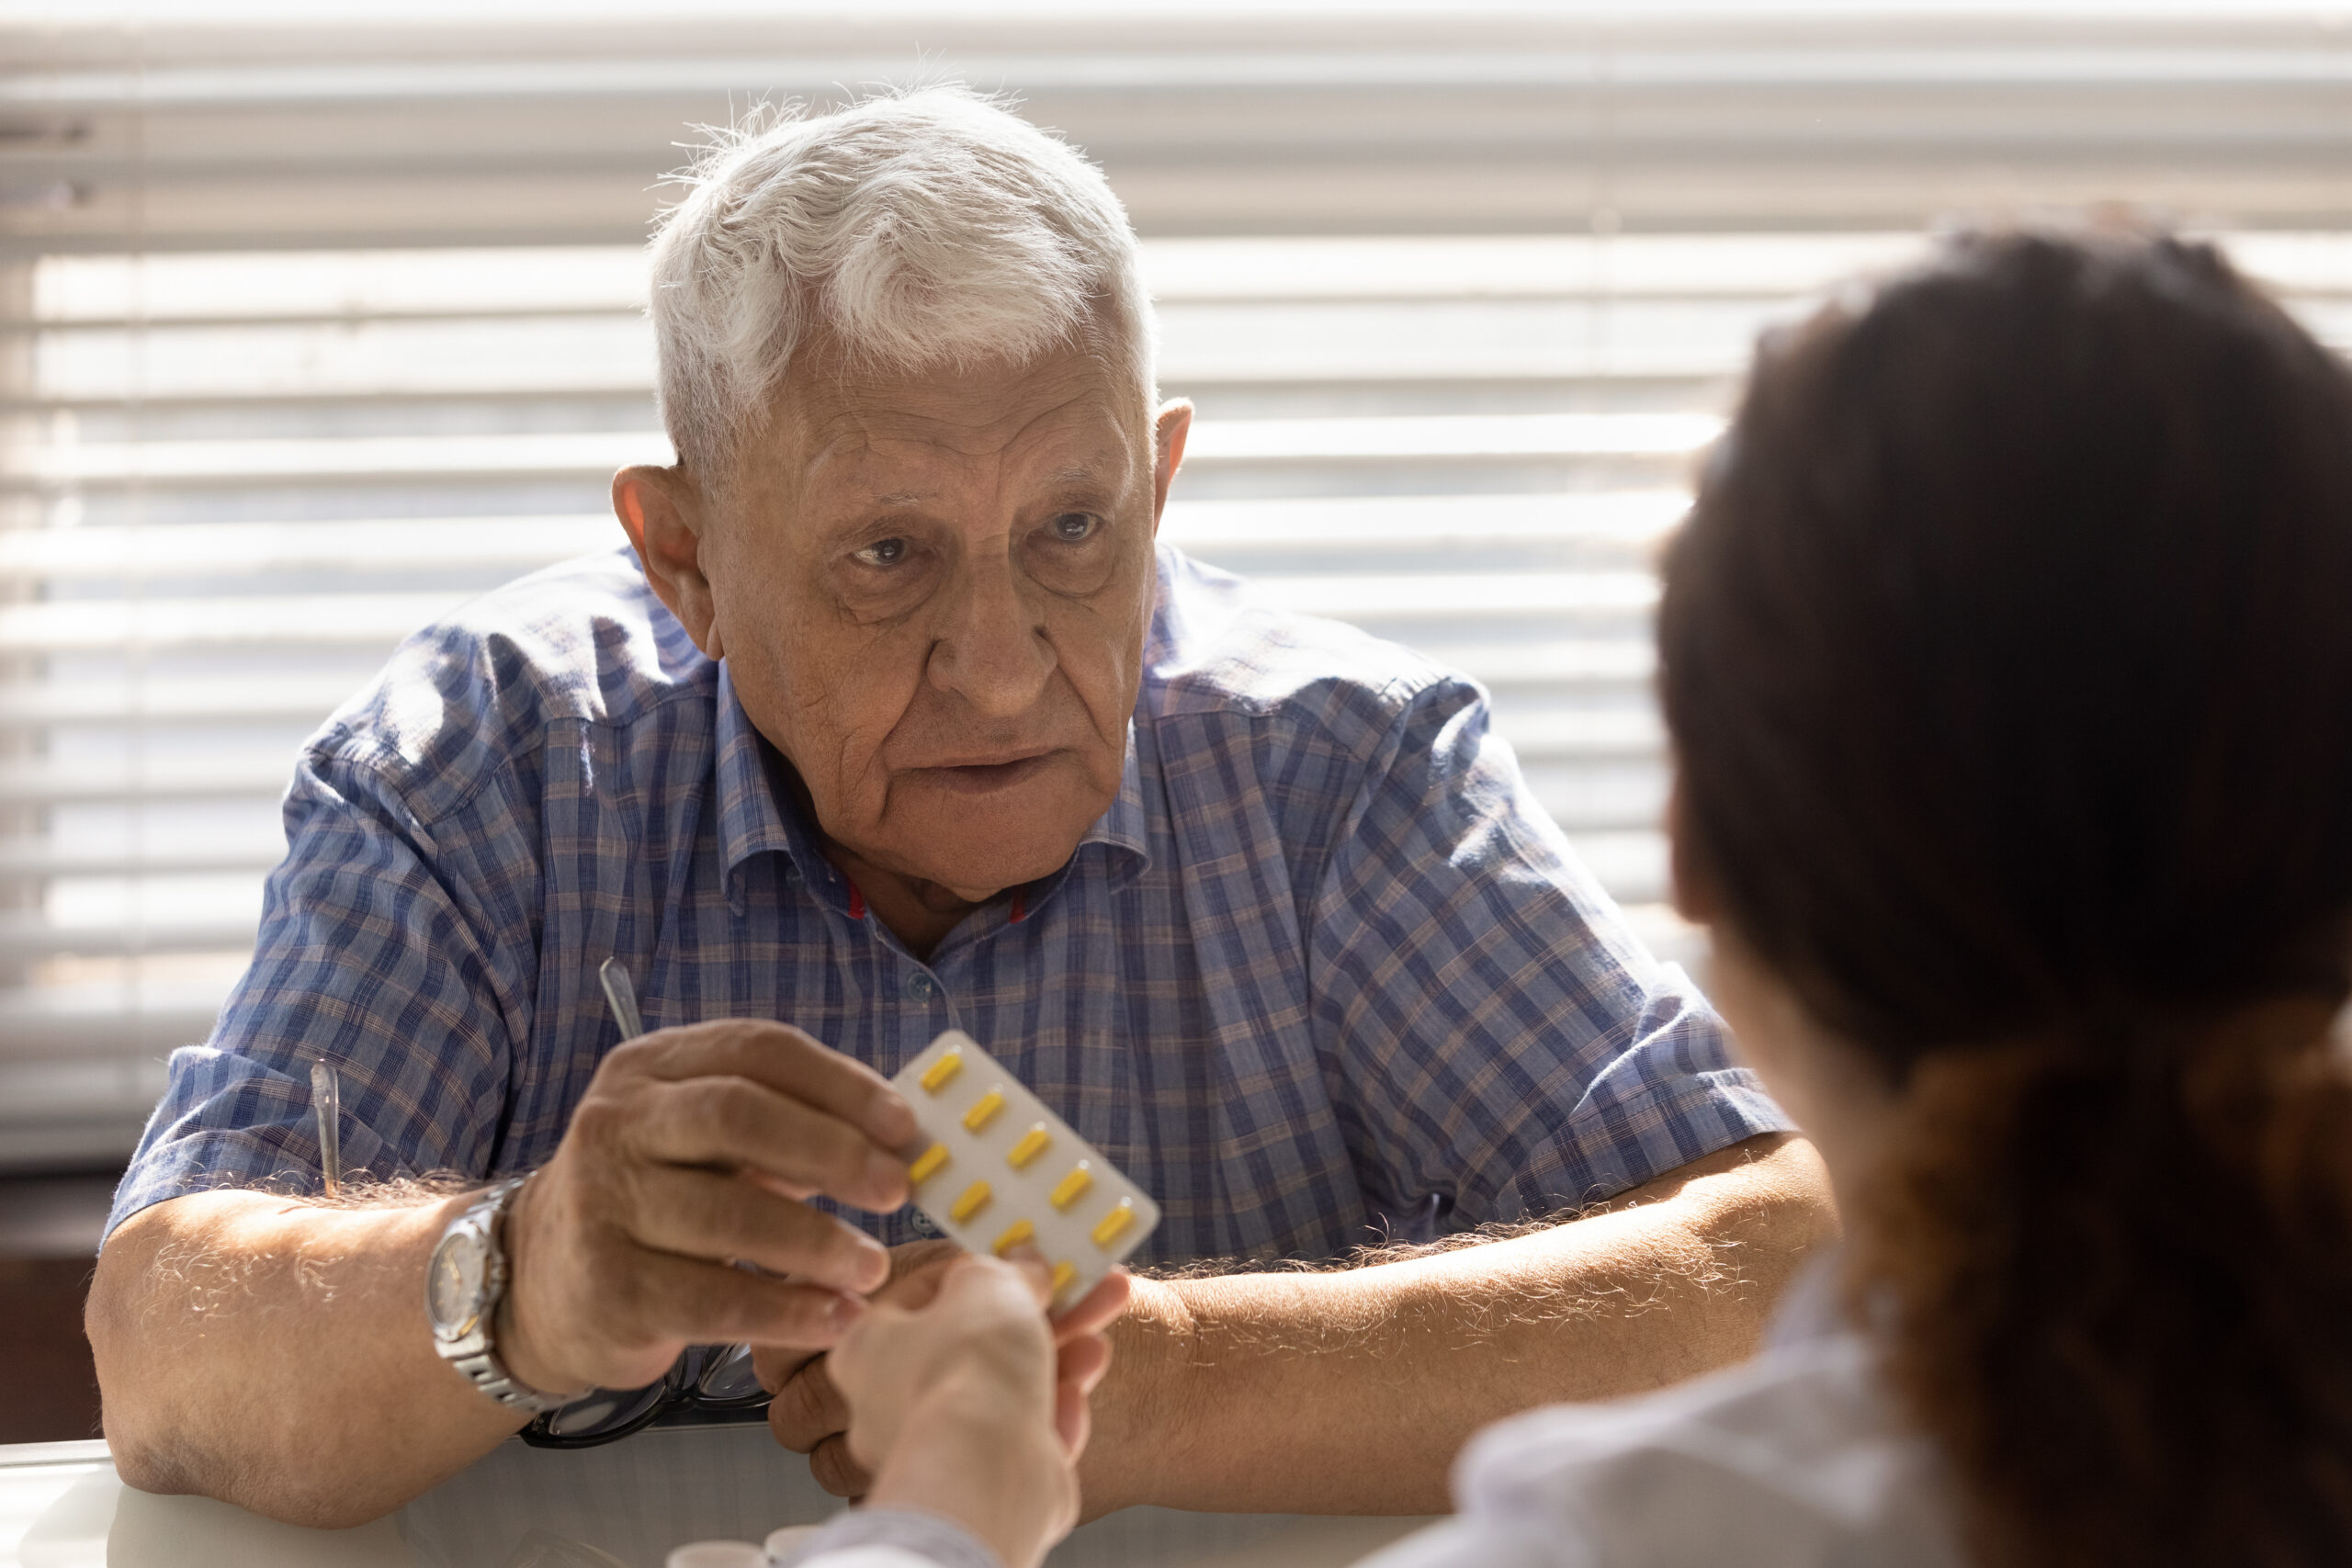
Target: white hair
<point>911,230</point>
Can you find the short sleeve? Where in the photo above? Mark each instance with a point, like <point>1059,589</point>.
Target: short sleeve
<point>385,951</point>
<point>1502,1045</point>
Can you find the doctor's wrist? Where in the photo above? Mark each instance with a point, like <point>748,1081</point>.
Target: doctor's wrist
<point>971,1454</point>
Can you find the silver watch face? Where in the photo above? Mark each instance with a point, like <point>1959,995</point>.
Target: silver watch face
<point>453,1283</point>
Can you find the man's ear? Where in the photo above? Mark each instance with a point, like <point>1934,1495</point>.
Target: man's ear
<point>663,510</point>
<point>1169,432</point>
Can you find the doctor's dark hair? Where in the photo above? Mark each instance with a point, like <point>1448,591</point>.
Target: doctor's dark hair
<point>2007,658</point>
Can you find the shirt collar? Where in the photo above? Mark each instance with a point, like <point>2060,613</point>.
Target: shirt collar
<point>1124,826</point>
<point>753,821</point>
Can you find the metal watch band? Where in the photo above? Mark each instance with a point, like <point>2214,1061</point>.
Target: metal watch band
<point>476,1355</point>
<point>489,1374</point>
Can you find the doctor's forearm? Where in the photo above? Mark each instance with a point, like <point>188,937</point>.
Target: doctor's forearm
<point>1351,1392</point>
<point>275,1355</point>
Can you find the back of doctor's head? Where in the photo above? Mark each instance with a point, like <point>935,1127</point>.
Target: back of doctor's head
<point>2007,657</point>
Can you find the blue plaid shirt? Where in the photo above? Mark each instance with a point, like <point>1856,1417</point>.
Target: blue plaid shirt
<point>1322,973</point>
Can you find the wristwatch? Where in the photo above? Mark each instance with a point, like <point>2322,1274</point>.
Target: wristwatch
<point>463,1286</point>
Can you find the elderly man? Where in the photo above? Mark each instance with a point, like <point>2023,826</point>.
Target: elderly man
<point>897,720</point>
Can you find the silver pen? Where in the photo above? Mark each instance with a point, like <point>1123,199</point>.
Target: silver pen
<point>326,1105</point>
<point>621,997</point>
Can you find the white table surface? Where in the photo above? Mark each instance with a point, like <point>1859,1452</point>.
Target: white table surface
<point>623,1505</point>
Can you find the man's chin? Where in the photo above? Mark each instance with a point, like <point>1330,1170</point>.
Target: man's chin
<point>978,879</point>
<point>978,847</point>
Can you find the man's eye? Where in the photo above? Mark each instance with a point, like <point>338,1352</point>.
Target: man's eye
<point>883,552</point>
<point>1071,528</point>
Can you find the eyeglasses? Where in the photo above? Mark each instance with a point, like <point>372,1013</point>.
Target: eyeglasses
<point>708,1380</point>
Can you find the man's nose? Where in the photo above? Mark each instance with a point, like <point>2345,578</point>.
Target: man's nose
<point>993,650</point>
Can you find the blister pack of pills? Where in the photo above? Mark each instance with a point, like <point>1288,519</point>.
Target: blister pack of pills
<point>997,1169</point>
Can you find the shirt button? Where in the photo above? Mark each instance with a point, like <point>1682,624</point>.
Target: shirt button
<point>920,1223</point>
<point>920,987</point>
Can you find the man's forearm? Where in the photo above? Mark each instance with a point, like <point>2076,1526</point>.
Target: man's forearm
<point>275,1355</point>
<point>1350,1392</point>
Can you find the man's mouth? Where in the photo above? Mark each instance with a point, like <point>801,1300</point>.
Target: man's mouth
<point>983,777</point>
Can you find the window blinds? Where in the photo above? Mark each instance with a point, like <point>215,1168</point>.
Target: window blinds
<point>310,334</point>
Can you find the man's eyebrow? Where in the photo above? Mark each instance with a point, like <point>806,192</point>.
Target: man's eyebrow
<point>1076,476</point>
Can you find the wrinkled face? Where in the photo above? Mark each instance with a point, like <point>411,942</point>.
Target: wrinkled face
<point>933,594</point>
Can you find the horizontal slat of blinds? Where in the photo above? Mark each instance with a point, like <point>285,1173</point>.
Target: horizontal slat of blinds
<point>1285,120</point>
<point>151,625</point>
<point>258,696</point>
<point>237,468</point>
<point>224,549</point>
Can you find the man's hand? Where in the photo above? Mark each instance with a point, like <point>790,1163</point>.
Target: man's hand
<point>689,1153</point>
<point>808,1413</point>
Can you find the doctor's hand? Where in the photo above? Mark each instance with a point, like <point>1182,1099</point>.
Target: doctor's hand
<point>693,1149</point>
<point>808,1413</point>
<point>963,1401</point>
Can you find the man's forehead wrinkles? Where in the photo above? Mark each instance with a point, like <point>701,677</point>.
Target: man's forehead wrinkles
<point>998,414</point>
<point>1062,434</point>
<point>899,472</point>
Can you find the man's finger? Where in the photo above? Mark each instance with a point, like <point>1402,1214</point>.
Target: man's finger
<point>774,1365</point>
<point>807,1409</point>
<point>784,1059</point>
<point>703,1214</point>
<point>836,1471</point>
<point>656,1296</point>
<point>911,1290</point>
<point>740,1122</point>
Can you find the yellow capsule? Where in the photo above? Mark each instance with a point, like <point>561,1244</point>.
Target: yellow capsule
<point>984,1111</point>
<point>1114,1224</point>
<point>1071,1187</point>
<point>927,1163</point>
<point>973,1199</point>
<point>1015,1233</point>
<point>1063,1274</point>
<point>1032,1144</point>
<point>942,1072</point>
